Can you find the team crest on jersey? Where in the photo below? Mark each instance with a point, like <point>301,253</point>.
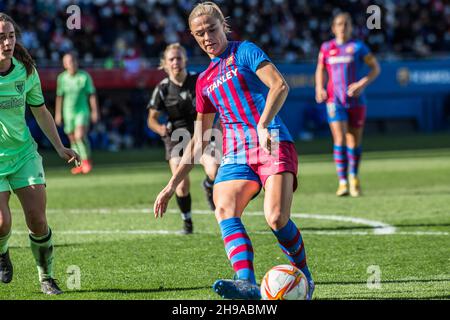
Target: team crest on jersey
<point>20,86</point>
<point>230,60</point>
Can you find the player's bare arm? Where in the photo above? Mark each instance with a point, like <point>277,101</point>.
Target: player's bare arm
<point>93,103</point>
<point>320,79</point>
<point>58,110</point>
<point>355,89</point>
<point>278,92</point>
<point>153,123</point>
<point>46,123</point>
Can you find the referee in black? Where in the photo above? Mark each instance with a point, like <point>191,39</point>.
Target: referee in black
<point>175,97</point>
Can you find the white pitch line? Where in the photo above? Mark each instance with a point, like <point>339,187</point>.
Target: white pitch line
<point>379,228</point>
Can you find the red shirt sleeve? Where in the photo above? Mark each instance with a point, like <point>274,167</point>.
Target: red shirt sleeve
<point>202,102</point>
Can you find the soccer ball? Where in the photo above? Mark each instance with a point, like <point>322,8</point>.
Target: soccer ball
<point>284,282</point>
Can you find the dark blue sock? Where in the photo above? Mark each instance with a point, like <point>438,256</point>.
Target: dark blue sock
<point>291,243</point>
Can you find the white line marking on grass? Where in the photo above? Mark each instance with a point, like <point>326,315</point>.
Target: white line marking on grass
<point>378,228</point>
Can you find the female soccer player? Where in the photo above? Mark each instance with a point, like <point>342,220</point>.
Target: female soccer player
<point>75,94</point>
<point>342,59</point>
<point>20,164</point>
<point>175,96</point>
<point>247,91</point>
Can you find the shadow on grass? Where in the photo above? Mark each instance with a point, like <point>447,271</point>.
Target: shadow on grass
<point>63,245</point>
<point>422,225</point>
<point>150,290</point>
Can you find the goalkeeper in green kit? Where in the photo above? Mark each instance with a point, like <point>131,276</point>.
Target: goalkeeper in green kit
<point>21,169</point>
<point>76,106</point>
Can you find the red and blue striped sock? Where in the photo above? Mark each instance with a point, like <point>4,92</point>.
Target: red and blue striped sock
<point>354,157</point>
<point>340,159</point>
<point>239,248</point>
<point>291,243</point>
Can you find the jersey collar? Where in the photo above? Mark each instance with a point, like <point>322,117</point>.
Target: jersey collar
<point>344,43</point>
<point>11,68</point>
<point>223,54</point>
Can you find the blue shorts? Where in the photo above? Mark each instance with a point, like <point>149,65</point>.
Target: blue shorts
<point>355,116</point>
<point>237,171</point>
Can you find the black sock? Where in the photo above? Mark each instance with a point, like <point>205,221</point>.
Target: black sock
<point>184,203</point>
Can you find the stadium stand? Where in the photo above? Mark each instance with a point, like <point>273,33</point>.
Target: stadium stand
<point>292,30</point>
<point>120,43</point>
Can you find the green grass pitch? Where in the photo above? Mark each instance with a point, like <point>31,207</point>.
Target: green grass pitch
<point>103,225</point>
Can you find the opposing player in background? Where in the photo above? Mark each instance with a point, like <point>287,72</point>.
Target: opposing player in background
<point>247,91</point>
<point>76,106</point>
<point>342,59</point>
<point>175,97</point>
<point>21,167</point>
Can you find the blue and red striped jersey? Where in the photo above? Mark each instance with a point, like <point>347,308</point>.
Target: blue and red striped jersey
<point>231,87</point>
<point>344,64</point>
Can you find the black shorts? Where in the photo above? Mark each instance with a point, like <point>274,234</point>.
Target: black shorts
<point>174,148</point>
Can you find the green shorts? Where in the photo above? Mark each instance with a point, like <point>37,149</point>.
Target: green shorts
<point>73,120</point>
<point>22,171</point>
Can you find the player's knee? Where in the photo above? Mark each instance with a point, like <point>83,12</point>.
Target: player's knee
<point>78,139</point>
<point>210,165</point>
<point>277,220</point>
<point>37,223</point>
<point>182,190</point>
<point>79,136</point>
<point>224,211</point>
<point>339,141</point>
<point>5,222</point>
<point>351,143</point>
<point>211,174</point>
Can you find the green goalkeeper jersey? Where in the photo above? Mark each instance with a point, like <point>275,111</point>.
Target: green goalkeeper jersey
<point>75,90</point>
<point>16,91</point>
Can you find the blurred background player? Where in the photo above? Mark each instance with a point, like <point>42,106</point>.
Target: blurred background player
<point>342,59</point>
<point>175,96</point>
<point>21,167</point>
<point>235,85</point>
<point>76,105</point>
